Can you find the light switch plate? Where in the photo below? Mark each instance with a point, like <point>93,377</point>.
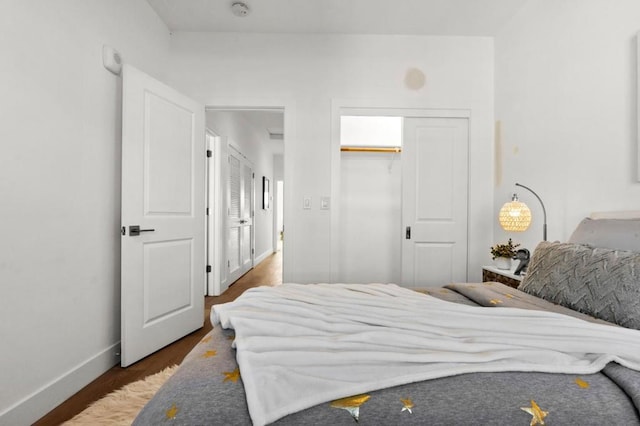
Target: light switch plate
<point>325,203</point>
<point>306,203</point>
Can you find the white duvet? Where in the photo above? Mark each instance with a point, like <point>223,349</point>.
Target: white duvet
<point>301,345</point>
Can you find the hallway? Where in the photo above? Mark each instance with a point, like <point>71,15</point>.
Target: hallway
<point>268,272</point>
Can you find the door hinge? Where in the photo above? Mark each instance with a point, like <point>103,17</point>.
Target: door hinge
<point>408,233</point>
<point>208,268</point>
<point>253,251</point>
<point>209,153</point>
<point>207,212</point>
<point>253,175</point>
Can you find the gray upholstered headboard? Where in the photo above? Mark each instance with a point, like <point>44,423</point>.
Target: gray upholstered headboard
<point>623,214</point>
<point>616,230</point>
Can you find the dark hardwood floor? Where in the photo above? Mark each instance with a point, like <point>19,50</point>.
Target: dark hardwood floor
<point>268,272</point>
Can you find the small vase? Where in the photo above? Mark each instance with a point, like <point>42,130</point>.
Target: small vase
<point>502,262</point>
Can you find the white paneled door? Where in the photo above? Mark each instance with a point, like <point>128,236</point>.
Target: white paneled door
<point>240,217</point>
<point>434,201</point>
<point>163,215</point>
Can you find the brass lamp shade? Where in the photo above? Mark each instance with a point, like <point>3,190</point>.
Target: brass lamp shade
<point>515,216</point>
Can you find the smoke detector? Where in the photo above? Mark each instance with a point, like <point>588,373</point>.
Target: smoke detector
<point>240,9</point>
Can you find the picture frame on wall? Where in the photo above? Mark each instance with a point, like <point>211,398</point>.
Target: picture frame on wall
<point>265,193</point>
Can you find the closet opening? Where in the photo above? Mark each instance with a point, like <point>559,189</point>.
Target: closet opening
<point>401,211</point>
<point>370,198</point>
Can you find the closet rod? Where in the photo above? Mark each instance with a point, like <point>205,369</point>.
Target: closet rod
<point>369,149</point>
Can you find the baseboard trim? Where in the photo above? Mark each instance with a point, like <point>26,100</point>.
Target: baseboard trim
<point>35,406</point>
<point>262,257</point>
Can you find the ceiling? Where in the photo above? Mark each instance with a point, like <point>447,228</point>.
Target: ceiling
<point>268,123</point>
<point>390,17</point>
<point>422,17</point>
<point>271,124</point>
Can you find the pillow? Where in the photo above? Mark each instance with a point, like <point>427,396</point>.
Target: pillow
<point>619,234</point>
<point>600,282</point>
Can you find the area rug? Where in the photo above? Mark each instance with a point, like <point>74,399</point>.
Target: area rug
<point>122,406</point>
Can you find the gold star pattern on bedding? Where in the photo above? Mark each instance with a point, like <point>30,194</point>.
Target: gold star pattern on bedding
<point>209,354</point>
<point>231,376</point>
<point>171,412</point>
<point>537,414</point>
<point>581,383</point>
<point>351,404</point>
<point>509,296</point>
<point>407,405</point>
<point>495,301</point>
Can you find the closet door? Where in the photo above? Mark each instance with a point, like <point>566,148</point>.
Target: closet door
<point>434,201</point>
<point>240,218</point>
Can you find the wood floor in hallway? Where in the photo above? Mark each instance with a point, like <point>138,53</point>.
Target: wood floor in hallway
<point>268,272</point>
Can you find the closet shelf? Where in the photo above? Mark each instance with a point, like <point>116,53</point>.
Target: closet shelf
<point>369,149</point>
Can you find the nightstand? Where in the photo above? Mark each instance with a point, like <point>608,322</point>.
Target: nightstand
<point>504,276</point>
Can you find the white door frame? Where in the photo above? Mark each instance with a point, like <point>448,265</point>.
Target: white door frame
<point>214,228</point>
<point>340,107</point>
<point>288,107</point>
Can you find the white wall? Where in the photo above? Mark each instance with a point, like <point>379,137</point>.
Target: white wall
<point>278,197</point>
<point>252,143</point>
<point>566,100</point>
<point>314,70</point>
<point>60,187</point>
<point>278,167</point>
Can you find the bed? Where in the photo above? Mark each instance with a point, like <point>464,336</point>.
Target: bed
<point>563,348</point>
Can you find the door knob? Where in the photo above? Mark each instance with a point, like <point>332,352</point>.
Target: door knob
<point>134,230</point>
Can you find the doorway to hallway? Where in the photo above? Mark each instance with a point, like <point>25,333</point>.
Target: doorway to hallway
<point>247,156</point>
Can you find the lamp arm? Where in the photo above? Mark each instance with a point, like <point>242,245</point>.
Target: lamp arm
<point>544,211</point>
